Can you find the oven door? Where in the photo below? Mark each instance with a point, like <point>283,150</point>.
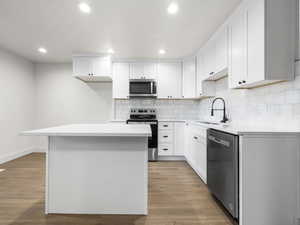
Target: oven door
<point>142,88</point>
<point>152,140</point>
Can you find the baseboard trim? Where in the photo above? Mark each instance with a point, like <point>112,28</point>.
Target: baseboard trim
<point>14,155</point>
<point>171,158</point>
<point>39,150</point>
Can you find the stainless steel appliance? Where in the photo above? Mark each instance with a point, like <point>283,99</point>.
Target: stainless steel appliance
<point>142,88</point>
<point>147,116</point>
<point>222,169</point>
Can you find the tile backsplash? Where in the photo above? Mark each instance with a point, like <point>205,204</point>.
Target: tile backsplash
<point>166,109</point>
<point>274,106</point>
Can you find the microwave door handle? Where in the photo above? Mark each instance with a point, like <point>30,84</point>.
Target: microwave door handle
<point>151,88</point>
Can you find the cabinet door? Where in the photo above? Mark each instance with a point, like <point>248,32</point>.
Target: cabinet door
<point>256,40</point>
<point>136,70</point>
<point>210,58</point>
<point>200,160</point>
<point>193,149</point>
<point>200,73</point>
<point>222,50</point>
<point>82,66</point>
<point>189,78</point>
<point>169,80</point>
<point>238,44</point>
<point>120,80</point>
<point>101,66</point>
<point>179,140</point>
<point>187,142</point>
<point>150,70</point>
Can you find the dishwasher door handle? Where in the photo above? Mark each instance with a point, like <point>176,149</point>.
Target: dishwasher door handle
<point>219,141</point>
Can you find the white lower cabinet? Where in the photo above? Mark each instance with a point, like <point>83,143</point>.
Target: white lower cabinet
<point>165,136</point>
<point>171,138</point>
<point>179,139</point>
<point>196,149</point>
<point>165,149</point>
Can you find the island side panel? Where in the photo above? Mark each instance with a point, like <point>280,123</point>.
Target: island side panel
<point>97,175</point>
<point>269,173</point>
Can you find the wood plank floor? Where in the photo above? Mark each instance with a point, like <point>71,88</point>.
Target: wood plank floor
<point>176,197</point>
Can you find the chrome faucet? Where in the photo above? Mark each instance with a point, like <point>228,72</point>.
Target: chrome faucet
<point>225,119</point>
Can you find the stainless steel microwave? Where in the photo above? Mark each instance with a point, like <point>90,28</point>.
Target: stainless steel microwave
<point>142,88</point>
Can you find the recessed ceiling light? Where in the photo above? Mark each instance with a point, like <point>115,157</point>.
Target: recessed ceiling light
<point>42,50</point>
<point>173,8</point>
<point>84,7</point>
<point>162,51</point>
<point>110,51</point>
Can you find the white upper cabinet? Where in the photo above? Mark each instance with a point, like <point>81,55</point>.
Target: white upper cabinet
<point>169,82</point>
<point>92,68</point>
<point>150,70</point>
<point>209,58</point>
<point>222,50</point>
<point>143,70</point>
<point>189,78</point>
<point>268,51</point>
<point>121,80</point>
<point>82,66</point>
<point>203,88</point>
<point>215,55</point>
<point>102,66</point>
<point>238,51</point>
<point>256,35</point>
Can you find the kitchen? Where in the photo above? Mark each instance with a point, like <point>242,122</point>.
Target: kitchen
<point>207,92</point>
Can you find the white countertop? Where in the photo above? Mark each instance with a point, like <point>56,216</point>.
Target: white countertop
<point>236,129</point>
<point>244,130</point>
<point>105,130</point>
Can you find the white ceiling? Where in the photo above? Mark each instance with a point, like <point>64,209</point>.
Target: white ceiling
<point>133,28</point>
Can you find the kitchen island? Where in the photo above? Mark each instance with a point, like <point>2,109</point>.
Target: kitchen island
<point>96,168</point>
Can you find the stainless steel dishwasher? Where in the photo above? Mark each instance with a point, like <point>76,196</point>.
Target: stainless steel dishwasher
<point>222,169</point>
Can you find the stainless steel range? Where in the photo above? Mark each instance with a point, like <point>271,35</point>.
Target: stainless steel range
<point>147,116</point>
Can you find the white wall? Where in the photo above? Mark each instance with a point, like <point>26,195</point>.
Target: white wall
<point>17,96</point>
<point>62,99</point>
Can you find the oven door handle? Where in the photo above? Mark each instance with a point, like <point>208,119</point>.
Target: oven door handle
<point>151,123</point>
<point>148,123</point>
<point>219,141</point>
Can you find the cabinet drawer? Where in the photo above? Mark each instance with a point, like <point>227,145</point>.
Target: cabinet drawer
<point>165,126</point>
<point>165,136</point>
<point>200,131</point>
<point>165,149</point>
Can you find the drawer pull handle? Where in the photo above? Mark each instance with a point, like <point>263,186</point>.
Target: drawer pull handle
<point>196,138</point>
<point>165,149</point>
<point>166,136</point>
<point>166,125</point>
